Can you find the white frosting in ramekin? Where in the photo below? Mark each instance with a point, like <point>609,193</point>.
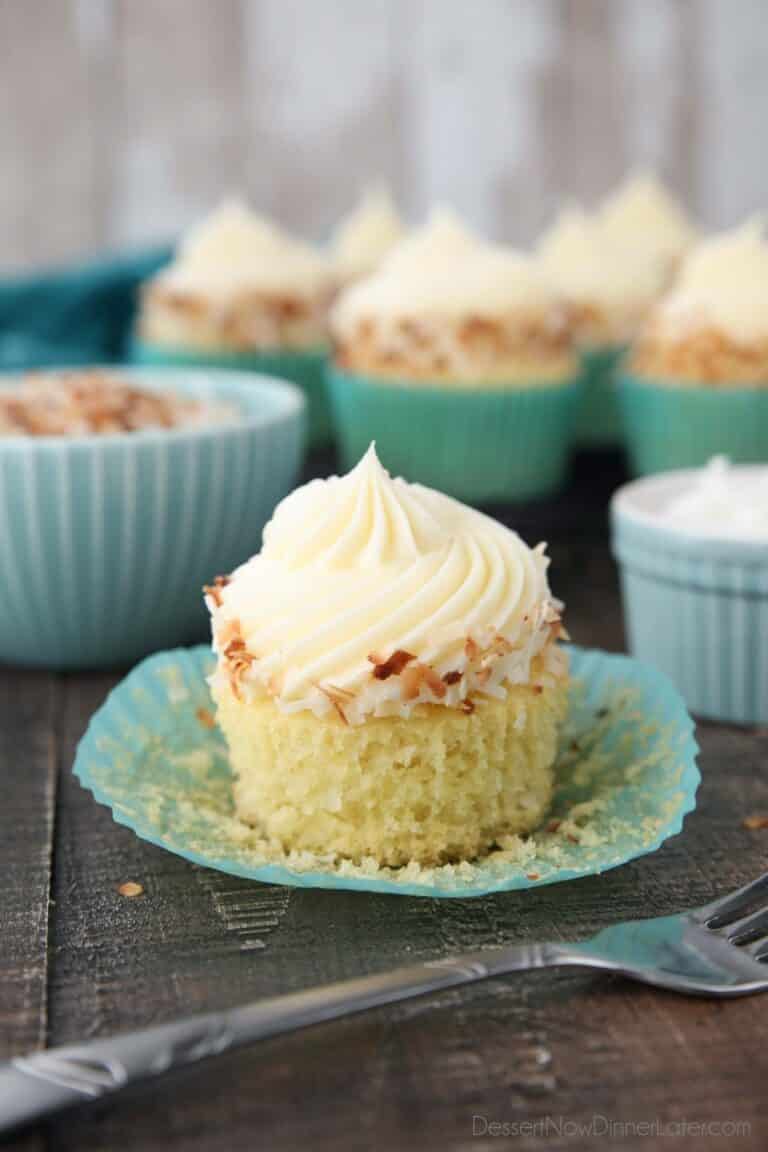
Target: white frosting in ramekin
<point>357,568</point>
<point>722,501</point>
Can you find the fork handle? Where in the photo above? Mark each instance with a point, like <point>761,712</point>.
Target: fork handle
<point>47,1082</point>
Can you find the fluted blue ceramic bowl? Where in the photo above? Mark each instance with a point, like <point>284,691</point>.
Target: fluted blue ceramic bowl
<point>694,606</point>
<point>106,541</point>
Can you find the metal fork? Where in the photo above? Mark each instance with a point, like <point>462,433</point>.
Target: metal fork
<point>718,950</point>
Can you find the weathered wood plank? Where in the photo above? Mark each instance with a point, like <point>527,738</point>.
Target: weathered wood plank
<point>27,804</point>
<point>555,1050</point>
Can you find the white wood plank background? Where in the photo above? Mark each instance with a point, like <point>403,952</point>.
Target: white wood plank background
<point>122,120</point>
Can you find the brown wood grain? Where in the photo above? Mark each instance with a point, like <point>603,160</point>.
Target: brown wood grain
<point>558,1050</point>
<point>27,804</point>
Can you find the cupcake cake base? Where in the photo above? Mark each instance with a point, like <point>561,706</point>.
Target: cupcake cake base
<point>442,785</point>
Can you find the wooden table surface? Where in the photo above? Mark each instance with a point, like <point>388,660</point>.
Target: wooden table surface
<point>577,1058</point>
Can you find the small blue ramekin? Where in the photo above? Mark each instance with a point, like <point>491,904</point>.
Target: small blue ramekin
<point>105,542</point>
<point>696,607</point>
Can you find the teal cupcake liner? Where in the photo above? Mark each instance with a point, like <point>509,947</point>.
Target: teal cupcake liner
<point>626,778</point>
<point>669,426</point>
<point>598,423</point>
<point>696,608</point>
<point>305,369</point>
<point>105,542</point>
<point>477,444</point>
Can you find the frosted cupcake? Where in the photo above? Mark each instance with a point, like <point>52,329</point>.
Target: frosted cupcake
<point>697,383</point>
<point>388,678</point>
<point>610,268</point>
<point>241,293</point>
<point>361,242</point>
<point>455,357</point>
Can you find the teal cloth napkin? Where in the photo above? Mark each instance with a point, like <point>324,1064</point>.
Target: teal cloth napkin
<point>82,314</point>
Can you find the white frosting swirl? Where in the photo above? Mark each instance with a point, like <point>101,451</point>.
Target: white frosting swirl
<point>644,215</point>
<point>356,568</point>
<point>362,241</point>
<point>445,271</point>
<point>234,250</point>
<point>723,284</point>
<point>588,266</point>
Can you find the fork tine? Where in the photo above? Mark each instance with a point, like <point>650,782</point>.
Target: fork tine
<point>721,912</point>
<point>758,949</point>
<point>747,927</point>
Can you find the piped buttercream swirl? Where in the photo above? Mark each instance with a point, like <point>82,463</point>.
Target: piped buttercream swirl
<point>234,249</point>
<point>371,595</point>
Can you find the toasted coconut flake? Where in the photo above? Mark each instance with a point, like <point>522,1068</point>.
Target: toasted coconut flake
<point>205,717</point>
<point>452,677</point>
<point>392,666</point>
<point>411,679</point>
<point>467,706</point>
<point>433,682</point>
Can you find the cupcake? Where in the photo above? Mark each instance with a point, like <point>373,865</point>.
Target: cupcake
<point>692,548</point>
<point>388,679</point>
<point>241,293</point>
<point>610,268</point>
<point>455,357</point>
<point>368,234</point>
<point>697,382</point>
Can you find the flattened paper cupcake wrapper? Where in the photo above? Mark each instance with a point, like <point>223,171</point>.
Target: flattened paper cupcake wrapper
<point>598,423</point>
<point>698,610</point>
<point>476,444</point>
<point>626,777</point>
<point>305,369</point>
<point>681,426</point>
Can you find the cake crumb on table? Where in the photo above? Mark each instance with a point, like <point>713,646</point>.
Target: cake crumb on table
<point>130,889</point>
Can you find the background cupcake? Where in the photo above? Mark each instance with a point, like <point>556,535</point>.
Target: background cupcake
<point>365,237</point>
<point>242,293</point>
<point>697,382</point>
<point>456,359</point>
<point>610,268</point>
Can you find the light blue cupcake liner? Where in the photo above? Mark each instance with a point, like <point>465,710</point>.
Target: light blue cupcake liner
<point>696,608</point>
<point>669,425</point>
<point>626,777</point>
<point>105,542</point>
<point>598,423</point>
<point>305,369</point>
<point>477,444</point>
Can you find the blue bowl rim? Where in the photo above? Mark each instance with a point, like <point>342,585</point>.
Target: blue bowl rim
<point>220,384</point>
